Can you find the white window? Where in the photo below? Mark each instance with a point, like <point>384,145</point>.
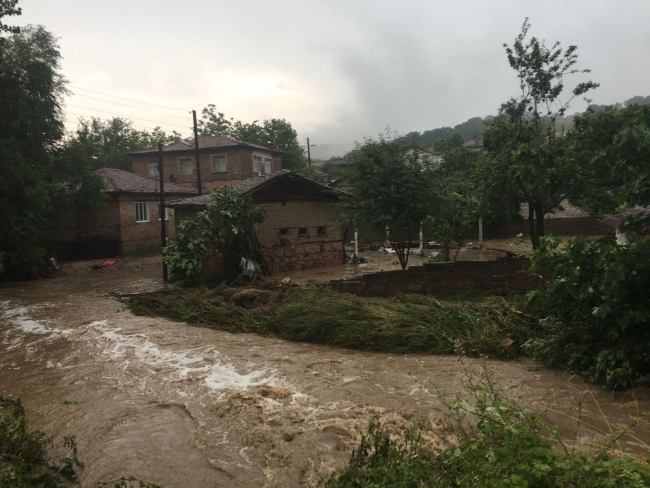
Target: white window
<point>219,163</point>
<point>268,165</point>
<point>153,168</point>
<point>185,166</point>
<point>257,165</point>
<point>167,210</point>
<point>141,212</point>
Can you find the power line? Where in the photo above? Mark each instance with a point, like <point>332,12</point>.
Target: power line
<point>129,99</point>
<point>126,116</point>
<point>130,106</point>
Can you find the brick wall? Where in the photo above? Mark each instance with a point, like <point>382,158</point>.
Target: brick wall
<point>239,166</point>
<point>141,234</point>
<point>502,277</point>
<point>294,250</point>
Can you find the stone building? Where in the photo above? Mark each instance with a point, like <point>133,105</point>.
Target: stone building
<point>302,229</point>
<point>129,220</point>
<point>223,161</point>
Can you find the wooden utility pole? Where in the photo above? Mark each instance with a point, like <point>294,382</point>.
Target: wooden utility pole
<point>161,209</point>
<point>196,150</point>
<point>308,153</point>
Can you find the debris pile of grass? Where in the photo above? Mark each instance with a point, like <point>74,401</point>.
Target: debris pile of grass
<point>213,309</point>
<point>402,324</point>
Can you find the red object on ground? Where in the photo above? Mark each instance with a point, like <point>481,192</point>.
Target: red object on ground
<point>108,263</point>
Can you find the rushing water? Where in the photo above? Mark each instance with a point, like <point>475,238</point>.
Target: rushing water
<point>184,406</point>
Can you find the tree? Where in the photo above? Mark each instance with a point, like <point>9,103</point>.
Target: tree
<point>522,140</point>
<point>210,246</point>
<point>612,149</point>
<point>7,9</point>
<point>390,188</point>
<point>452,141</point>
<point>106,144</point>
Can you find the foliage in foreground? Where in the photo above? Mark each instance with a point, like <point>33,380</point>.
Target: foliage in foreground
<point>507,446</point>
<point>23,453</point>
<point>402,324</point>
<point>595,308</point>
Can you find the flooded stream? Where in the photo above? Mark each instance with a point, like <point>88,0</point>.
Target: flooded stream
<point>184,406</point>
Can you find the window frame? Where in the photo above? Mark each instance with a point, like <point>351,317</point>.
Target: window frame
<point>167,213</point>
<point>191,161</point>
<point>225,163</point>
<point>146,208</point>
<point>268,161</point>
<point>155,166</point>
<point>261,158</point>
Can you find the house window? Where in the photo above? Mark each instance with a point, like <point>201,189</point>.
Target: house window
<point>167,210</point>
<point>321,231</point>
<point>141,212</point>
<point>268,165</point>
<point>302,231</point>
<point>257,165</point>
<point>185,166</point>
<point>219,163</point>
<point>153,168</point>
<point>284,232</point>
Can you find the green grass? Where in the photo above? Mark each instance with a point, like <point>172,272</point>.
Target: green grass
<point>402,324</point>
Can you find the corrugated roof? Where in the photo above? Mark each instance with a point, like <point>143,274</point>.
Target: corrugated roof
<point>248,186</point>
<point>118,180</point>
<point>617,219</point>
<point>206,142</point>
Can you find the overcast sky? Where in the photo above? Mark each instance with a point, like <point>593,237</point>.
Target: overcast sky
<point>337,70</point>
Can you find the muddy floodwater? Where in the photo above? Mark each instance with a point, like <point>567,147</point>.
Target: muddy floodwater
<point>183,406</point>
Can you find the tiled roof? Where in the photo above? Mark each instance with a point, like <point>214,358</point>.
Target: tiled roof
<point>118,180</point>
<point>248,186</point>
<point>205,142</point>
<point>617,219</point>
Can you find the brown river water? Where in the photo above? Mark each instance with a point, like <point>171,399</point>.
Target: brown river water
<point>183,406</point>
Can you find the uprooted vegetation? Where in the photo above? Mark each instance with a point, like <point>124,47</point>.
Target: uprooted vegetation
<point>402,324</point>
<point>498,443</point>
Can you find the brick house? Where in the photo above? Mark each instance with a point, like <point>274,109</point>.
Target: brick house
<point>302,228</point>
<point>223,161</point>
<point>129,220</point>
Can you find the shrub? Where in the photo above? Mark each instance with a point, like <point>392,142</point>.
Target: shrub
<point>23,453</point>
<point>594,307</point>
<point>499,445</point>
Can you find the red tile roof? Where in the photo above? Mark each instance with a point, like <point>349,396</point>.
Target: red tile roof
<point>206,142</point>
<point>118,180</point>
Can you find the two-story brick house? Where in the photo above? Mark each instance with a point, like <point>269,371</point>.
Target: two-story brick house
<point>223,161</point>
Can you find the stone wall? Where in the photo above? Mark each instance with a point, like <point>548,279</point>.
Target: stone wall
<point>501,277</point>
<point>239,166</point>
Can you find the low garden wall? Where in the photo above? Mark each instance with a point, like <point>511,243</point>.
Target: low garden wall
<point>501,277</point>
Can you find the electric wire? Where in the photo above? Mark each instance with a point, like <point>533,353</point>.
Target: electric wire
<point>126,116</point>
<point>130,106</point>
<point>128,99</point>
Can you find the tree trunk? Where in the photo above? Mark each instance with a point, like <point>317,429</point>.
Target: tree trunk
<point>539,217</point>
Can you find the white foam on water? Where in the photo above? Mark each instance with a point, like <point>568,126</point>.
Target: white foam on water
<point>204,363</point>
<point>19,317</point>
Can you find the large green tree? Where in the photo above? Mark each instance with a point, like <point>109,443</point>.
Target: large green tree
<point>106,143</point>
<point>523,141</point>
<point>390,188</point>
<point>40,184</point>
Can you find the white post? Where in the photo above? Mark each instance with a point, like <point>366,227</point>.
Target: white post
<point>480,232</point>
<point>421,248</point>
<point>356,243</point>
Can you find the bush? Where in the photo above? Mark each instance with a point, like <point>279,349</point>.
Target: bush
<point>594,307</point>
<point>507,446</point>
<point>23,453</point>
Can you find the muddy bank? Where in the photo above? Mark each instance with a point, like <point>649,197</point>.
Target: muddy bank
<point>184,406</point>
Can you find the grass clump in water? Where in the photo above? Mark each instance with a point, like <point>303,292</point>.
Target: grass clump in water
<point>402,324</point>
